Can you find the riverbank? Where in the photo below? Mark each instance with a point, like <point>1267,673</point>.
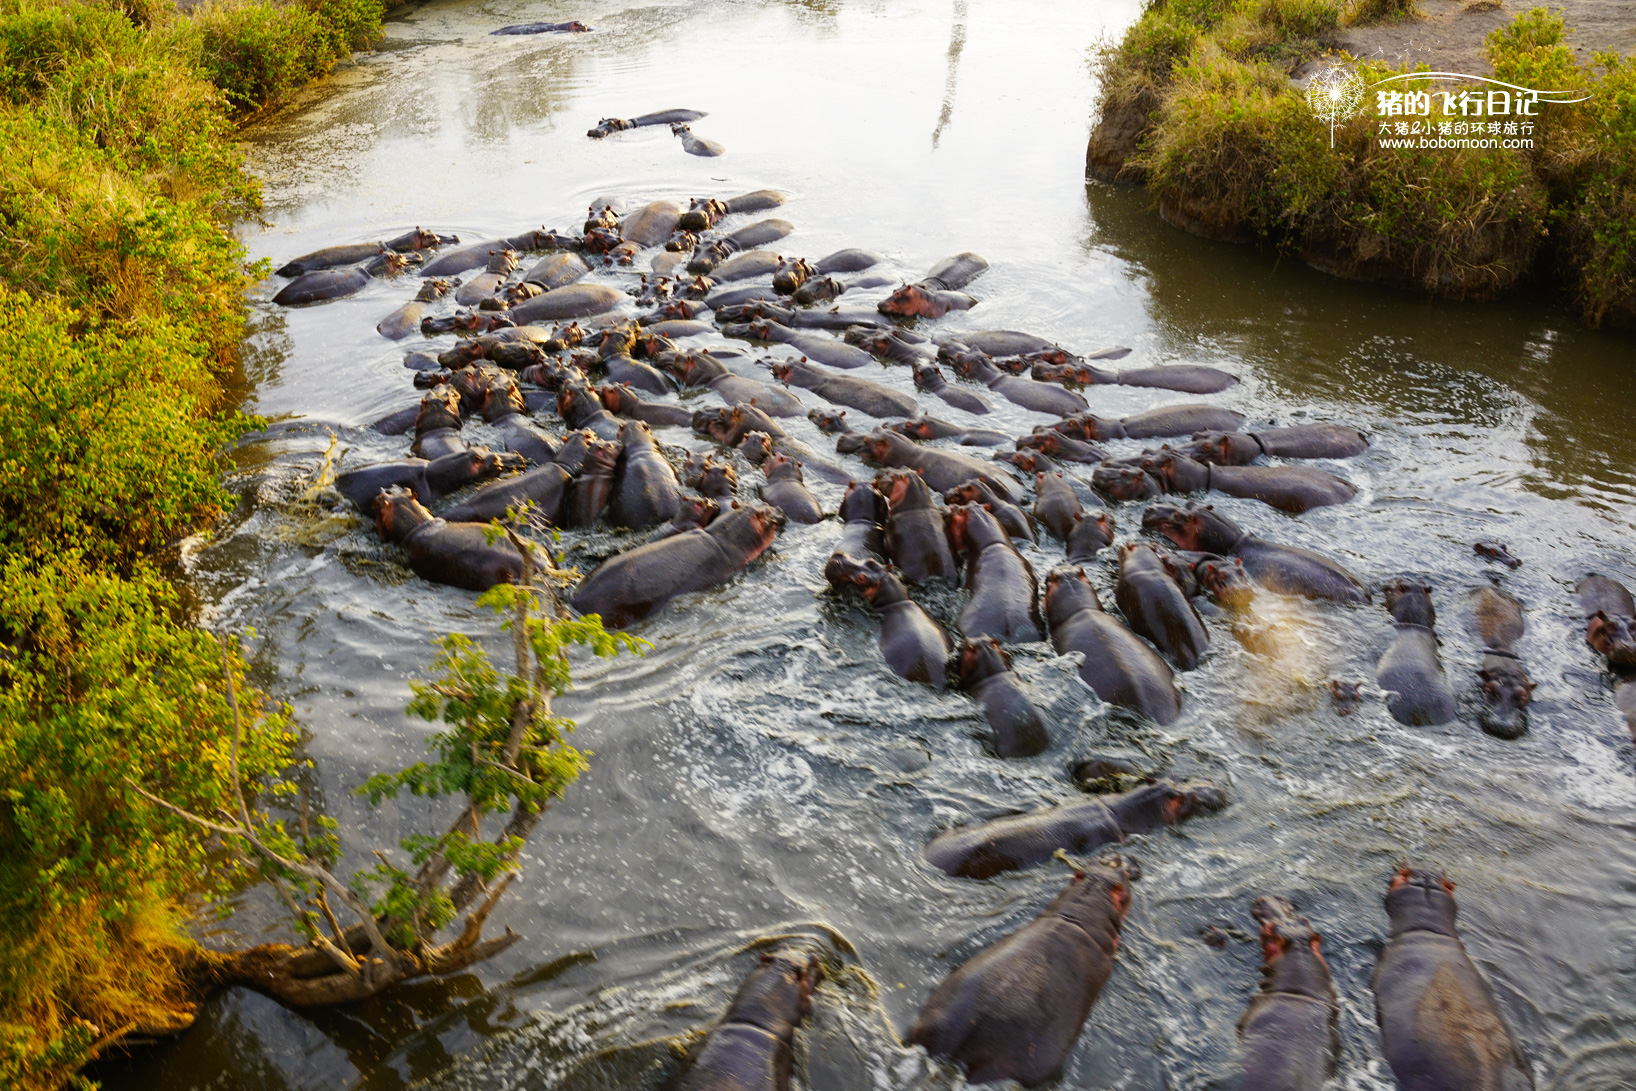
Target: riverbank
<point>1204,103</point>
<point>122,309</point>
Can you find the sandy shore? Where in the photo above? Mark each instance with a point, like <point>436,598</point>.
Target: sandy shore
<point>1450,36</point>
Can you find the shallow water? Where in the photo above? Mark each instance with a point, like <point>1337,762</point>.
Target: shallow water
<point>761,773</point>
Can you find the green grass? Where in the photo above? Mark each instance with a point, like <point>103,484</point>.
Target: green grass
<point>121,315</point>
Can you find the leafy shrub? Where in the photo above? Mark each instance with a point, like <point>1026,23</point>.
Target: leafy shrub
<point>1368,12</point>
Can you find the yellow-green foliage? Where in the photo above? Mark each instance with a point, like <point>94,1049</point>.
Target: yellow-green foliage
<point>1367,12</point>
<point>121,312</point>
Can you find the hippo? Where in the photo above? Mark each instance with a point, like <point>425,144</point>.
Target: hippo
<point>570,301</point>
<point>632,585</point>
<point>437,425</point>
<point>1418,694</point>
<point>465,322</point>
<point>694,512</point>
<point>556,271</point>
<point>503,408</point>
<point>860,394</point>
<point>728,427</point>
<point>676,329</point>
<point>1002,342</point>
<point>702,214</point>
<point>1117,665</point>
<point>1168,420</point>
<point>1610,620</point>
<point>1091,533</point>
<point>1229,447</point>
<point>620,400</point>
<point>797,319</point>
<point>645,490</point>
<point>1039,397</point>
<point>852,260</point>
<point>662,117</point>
<point>1294,489</point>
<point>579,407</point>
<point>1062,447</point>
<point>700,369</point>
<point>403,321</point>
<point>751,263</point>
<point>542,490</point>
<point>792,275</point>
<point>1188,379</point>
<point>574,27</point>
<point>591,490</point>
<point>471,256</point>
<point>749,237</point>
<point>1020,841</point>
<point>1156,607</point>
<point>943,470</point>
<point>1015,1009</point>
<point>1439,1024</point>
<point>1055,504</point>
<point>914,646</point>
<point>759,200</point>
<point>458,554</point>
<point>813,346</point>
<point>864,512</point>
<point>1289,1030</point>
<point>1497,623</point>
<point>756,447</point>
<point>713,477</point>
<point>651,224</point>
<point>820,289</point>
<point>353,253</point>
<point>501,264</point>
<point>915,540</point>
<point>1496,551</point>
<point>427,480</point>
<point>1286,569</point>
<point>751,1049</point>
<point>1003,599</point>
<point>1123,479</point>
<point>693,144</point>
<point>831,422</point>
<point>1007,514</point>
<point>1224,580</point>
<point>638,373</point>
<point>929,378</point>
<point>889,348</point>
<point>786,490</point>
<point>984,672</point>
<point>935,295</point>
<point>325,284</point>
<point>928,428</point>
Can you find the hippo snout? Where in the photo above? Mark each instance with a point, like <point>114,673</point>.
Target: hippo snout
<point>1205,799</point>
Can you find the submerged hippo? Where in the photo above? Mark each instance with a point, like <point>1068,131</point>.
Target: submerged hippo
<point>403,321</point>
<point>1023,840</point>
<point>751,1048</point>
<point>352,253</point>
<point>1015,1009</point>
<point>645,490</point>
<point>574,27</point>
<point>984,671</point>
<point>1156,607</point>
<point>427,480</point>
<point>541,491</point>
<point>458,554</point>
<point>1417,691</point>
<point>943,470</point>
<point>325,284</point>
<point>786,490</point>
<point>1497,623</point>
<point>1289,1031</point>
<point>914,645</point>
<point>860,394</point>
<point>1610,620</point>
<point>1227,447</point>
<point>1003,594</point>
<point>1294,489</point>
<point>662,117</point>
<point>935,295</point>
<point>1116,664</point>
<point>1008,515</point>
<point>630,586</point>
<point>437,425</point>
<point>1169,420</point>
<point>863,513</point>
<point>1286,569</point>
<point>1439,1025</point>
<point>916,541</point>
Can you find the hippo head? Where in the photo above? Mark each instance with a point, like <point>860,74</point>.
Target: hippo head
<point>575,400</point>
<point>397,512</point>
<point>1410,603</point>
<point>472,385</point>
<point>636,433</point>
<point>1224,448</point>
<point>394,262</point>
<point>779,994</point>
<point>973,527</point>
<point>1346,695</point>
<point>650,345</point>
<point>1225,581</point>
<point>695,511</point>
<point>1067,592</point>
<point>601,458</point>
<point>1507,690</point>
<point>863,503</point>
<point>844,570</point>
<point>575,449</point>
<point>517,293</point>
<point>601,239</point>
<point>575,27</point>
<point>966,362</point>
<point>1176,471</point>
<point>1613,636</point>
<point>502,400</point>
<point>829,421</point>
<point>616,340</point>
<point>1091,531</point>
<point>1028,461</point>
<point>601,217</point>
<point>910,301</point>
<point>1179,570</point>
<point>1196,527</point>
<point>1123,481</point>
<point>870,340</point>
<point>928,377</point>
<point>819,288</point>
<point>781,468</point>
<point>1282,930</point>
<point>1109,878</point>
<point>617,398</point>
<point>695,289</point>
<point>715,423</point>
<point>702,213</point>
<point>434,288</point>
<point>440,408</point>
<point>1419,898</point>
<point>918,428</point>
<point>757,447</point>
<point>679,308</point>
<point>1164,804</point>
<point>502,261</point>
<point>905,488</point>
<point>761,524</point>
<point>972,492</point>
<point>980,658</point>
<point>781,369</point>
<point>1045,442</point>
<point>715,478</point>
<point>878,446</point>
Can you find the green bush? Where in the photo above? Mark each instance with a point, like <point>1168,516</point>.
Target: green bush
<point>257,52</point>
<point>1303,18</point>
<point>1368,12</point>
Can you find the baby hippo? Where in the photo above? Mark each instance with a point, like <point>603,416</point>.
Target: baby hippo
<point>750,1050</point>
<point>1288,1031</point>
<point>914,645</point>
<point>1439,1024</point>
<point>1020,841</point>
<point>1418,693</point>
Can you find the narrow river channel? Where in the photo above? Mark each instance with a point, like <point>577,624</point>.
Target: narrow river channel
<point>761,772</point>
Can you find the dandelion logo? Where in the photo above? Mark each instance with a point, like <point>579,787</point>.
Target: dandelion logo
<point>1335,95</point>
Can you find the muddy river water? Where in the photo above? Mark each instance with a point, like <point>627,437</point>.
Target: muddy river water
<point>761,772</point>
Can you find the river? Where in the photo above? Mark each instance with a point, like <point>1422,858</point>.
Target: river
<point>761,772</point>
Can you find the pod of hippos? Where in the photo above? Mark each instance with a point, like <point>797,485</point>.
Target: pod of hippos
<point>575,373</point>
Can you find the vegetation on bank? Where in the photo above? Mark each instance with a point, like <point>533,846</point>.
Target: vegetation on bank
<point>1198,104</point>
<point>121,313</point>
